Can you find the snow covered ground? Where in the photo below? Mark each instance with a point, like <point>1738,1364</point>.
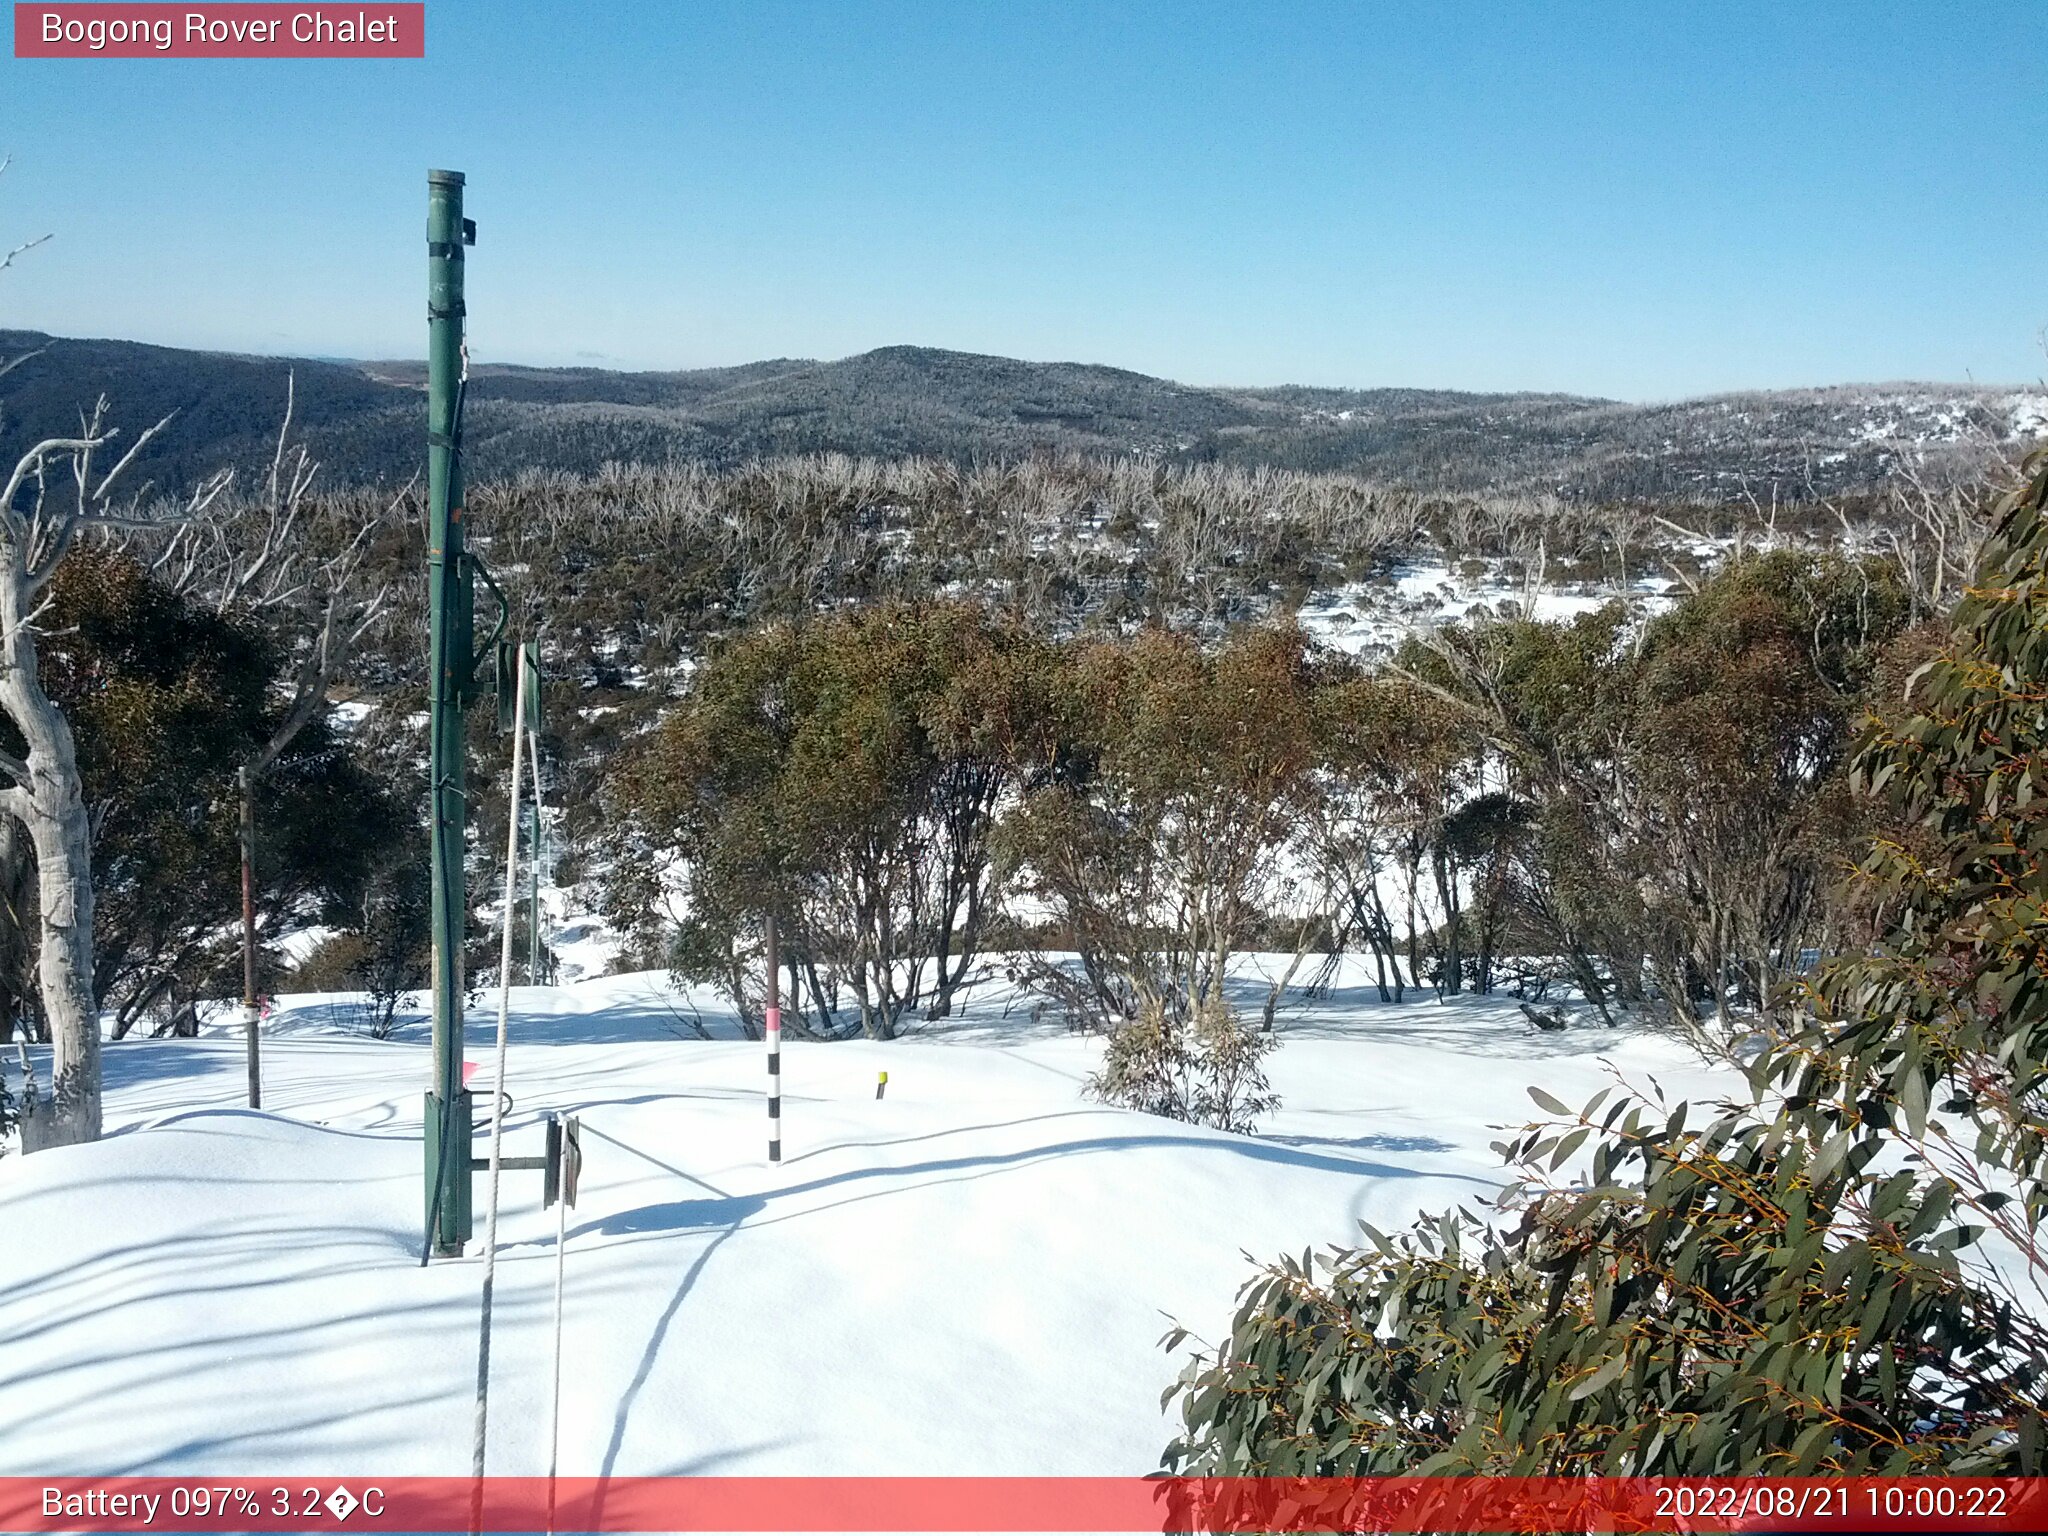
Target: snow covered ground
<point>969,1276</point>
<point>1370,619</point>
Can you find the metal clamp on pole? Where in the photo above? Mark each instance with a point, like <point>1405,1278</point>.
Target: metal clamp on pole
<point>565,1160</point>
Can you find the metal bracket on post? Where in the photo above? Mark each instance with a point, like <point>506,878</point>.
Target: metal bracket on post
<point>565,1161</point>
<point>504,666</point>
<point>491,643</point>
<point>562,1131</point>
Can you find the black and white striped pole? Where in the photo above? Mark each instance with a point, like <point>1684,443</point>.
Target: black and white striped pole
<point>772,1028</point>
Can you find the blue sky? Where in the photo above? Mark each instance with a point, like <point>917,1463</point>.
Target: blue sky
<point>1642,200</point>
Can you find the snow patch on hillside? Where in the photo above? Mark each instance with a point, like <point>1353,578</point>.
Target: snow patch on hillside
<point>1370,619</point>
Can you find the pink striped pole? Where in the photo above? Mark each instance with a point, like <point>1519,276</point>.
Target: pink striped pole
<point>772,1020</point>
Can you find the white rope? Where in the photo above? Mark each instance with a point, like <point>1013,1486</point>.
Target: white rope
<point>561,1245</point>
<point>540,837</point>
<point>483,1349</point>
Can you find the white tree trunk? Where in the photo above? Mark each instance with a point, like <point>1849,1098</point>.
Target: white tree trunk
<point>43,792</point>
<point>52,810</point>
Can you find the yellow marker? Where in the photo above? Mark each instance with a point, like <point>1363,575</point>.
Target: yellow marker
<point>881,1083</point>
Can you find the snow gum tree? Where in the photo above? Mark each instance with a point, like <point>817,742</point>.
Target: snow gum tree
<point>1800,1285</point>
<point>41,518</point>
<point>1400,821</point>
<point>166,699</point>
<point>1180,774</point>
<point>39,524</point>
<point>843,775</point>
<point>1687,780</point>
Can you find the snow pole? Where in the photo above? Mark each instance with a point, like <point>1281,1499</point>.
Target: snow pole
<point>772,1028</point>
<point>483,1347</point>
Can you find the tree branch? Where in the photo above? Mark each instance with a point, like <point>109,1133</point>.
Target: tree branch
<point>32,462</point>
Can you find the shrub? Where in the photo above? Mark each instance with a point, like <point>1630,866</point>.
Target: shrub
<point>332,965</point>
<point>1204,1070</point>
<point>1722,1300</point>
<point>387,957</point>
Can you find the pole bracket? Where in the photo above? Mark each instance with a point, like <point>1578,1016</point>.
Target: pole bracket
<point>490,641</point>
<point>564,1160</point>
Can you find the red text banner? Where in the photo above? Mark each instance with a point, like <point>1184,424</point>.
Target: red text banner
<point>108,29</point>
<point>1017,1504</point>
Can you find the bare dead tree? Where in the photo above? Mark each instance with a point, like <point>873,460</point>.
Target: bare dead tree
<point>256,558</point>
<point>253,558</point>
<point>1930,516</point>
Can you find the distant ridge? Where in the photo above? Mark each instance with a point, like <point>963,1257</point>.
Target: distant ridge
<point>363,420</point>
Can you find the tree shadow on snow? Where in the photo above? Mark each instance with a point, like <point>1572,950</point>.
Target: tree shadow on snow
<point>1367,1143</point>
<point>734,1211</point>
<point>728,1214</point>
<point>938,1135</point>
<point>626,1021</point>
<point>670,1216</point>
<point>647,1358</point>
<point>1491,1036</point>
<point>58,1391</point>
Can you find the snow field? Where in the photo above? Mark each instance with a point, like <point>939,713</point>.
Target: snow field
<point>968,1277</point>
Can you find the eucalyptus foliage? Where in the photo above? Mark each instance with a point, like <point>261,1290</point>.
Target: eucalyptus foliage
<point>1205,1069</point>
<point>1797,1283</point>
<point>843,776</point>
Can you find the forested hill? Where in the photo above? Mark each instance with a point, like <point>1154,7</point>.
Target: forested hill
<point>228,407</point>
<point>364,420</point>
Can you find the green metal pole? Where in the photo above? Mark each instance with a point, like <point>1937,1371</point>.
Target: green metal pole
<point>449,660</point>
